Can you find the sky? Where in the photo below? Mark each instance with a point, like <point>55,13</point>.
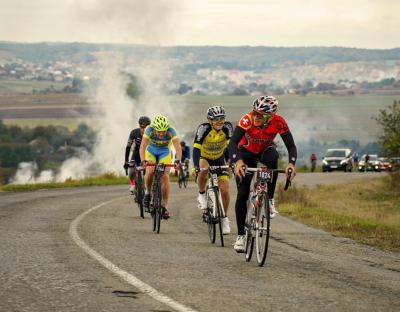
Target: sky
<point>284,23</point>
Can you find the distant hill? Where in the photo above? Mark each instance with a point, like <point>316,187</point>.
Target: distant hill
<point>242,58</point>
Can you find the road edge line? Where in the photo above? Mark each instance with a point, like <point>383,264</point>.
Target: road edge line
<point>127,277</point>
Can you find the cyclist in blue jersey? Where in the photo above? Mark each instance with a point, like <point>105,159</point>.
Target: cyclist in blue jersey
<point>156,148</point>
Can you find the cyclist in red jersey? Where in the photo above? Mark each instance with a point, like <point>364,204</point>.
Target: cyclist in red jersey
<point>253,141</point>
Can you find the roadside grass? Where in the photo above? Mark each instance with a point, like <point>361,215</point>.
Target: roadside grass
<point>366,212</point>
<point>104,179</point>
<point>70,123</point>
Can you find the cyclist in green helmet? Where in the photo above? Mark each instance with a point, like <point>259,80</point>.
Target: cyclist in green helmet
<point>157,141</point>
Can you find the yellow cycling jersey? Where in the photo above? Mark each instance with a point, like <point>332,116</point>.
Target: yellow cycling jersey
<point>210,142</point>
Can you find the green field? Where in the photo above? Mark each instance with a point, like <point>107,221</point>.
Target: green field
<point>10,87</point>
<point>324,118</point>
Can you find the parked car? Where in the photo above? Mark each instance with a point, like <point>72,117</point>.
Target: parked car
<point>395,161</point>
<point>373,163</point>
<point>385,163</point>
<point>337,159</point>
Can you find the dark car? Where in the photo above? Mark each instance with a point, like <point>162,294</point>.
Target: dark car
<point>337,159</point>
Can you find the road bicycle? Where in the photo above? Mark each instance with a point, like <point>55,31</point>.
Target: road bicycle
<point>138,194</point>
<point>215,210</point>
<point>156,210</point>
<point>258,216</point>
<point>183,176</point>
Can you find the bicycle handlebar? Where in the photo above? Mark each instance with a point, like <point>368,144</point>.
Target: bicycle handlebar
<point>289,175</point>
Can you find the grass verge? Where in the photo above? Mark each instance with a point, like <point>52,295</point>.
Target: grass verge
<point>366,212</point>
<point>104,179</point>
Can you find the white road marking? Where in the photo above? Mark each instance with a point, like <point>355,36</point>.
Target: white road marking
<point>129,278</point>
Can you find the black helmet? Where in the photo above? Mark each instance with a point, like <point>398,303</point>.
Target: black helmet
<point>183,143</point>
<point>144,121</point>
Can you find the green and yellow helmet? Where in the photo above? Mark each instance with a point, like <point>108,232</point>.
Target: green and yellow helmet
<point>160,123</point>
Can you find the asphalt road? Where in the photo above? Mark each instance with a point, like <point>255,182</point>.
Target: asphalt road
<point>86,249</point>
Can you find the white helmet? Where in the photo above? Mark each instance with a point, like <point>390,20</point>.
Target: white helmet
<point>215,112</point>
<point>265,104</point>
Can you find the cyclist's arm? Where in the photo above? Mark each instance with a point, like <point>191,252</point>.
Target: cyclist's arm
<point>196,157</point>
<point>234,153</point>
<point>127,152</point>
<point>143,147</point>
<point>178,148</point>
<point>129,145</point>
<point>290,146</point>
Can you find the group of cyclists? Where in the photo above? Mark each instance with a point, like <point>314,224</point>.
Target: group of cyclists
<point>217,142</point>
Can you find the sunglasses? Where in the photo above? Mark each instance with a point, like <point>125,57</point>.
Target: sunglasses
<point>261,116</point>
<point>218,119</point>
<point>142,126</point>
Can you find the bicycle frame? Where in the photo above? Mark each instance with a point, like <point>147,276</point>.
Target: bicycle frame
<point>214,215</point>
<point>155,206</point>
<point>258,225</point>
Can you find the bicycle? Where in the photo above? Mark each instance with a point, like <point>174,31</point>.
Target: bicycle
<point>183,176</point>
<point>258,217</point>
<point>215,209</point>
<point>156,210</point>
<point>138,195</point>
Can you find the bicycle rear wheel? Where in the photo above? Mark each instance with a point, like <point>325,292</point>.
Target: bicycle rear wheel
<point>249,236</point>
<point>263,228</point>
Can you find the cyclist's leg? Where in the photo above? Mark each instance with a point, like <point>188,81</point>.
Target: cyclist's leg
<point>243,190</point>
<point>148,177</point>
<point>269,157</point>
<point>223,182</point>
<point>202,177</point>
<point>165,158</point>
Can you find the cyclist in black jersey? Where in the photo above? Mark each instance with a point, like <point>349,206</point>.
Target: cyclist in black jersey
<point>135,138</point>
<point>185,155</point>
<point>209,149</point>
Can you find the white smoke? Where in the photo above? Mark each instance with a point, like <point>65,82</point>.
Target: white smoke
<point>153,23</point>
<point>27,173</point>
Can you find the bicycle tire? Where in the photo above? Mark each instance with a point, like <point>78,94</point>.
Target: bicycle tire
<point>158,212</point>
<point>249,236</point>
<point>212,234</point>
<point>140,193</point>
<point>180,181</point>
<point>155,203</point>
<point>185,181</point>
<point>219,215</point>
<point>263,228</point>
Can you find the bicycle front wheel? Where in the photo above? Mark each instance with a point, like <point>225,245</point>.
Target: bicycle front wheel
<point>156,207</point>
<point>218,208</point>
<point>249,236</point>
<point>140,193</point>
<point>263,228</point>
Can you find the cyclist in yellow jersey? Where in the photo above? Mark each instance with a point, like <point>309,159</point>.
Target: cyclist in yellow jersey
<point>156,148</point>
<point>209,149</point>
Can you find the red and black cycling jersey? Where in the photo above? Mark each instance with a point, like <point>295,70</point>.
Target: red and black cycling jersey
<point>257,139</point>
